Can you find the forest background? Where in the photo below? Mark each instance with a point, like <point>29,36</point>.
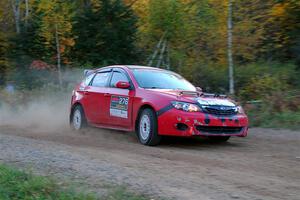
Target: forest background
<point>42,42</point>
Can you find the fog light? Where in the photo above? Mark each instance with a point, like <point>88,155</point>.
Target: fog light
<point>181,127</point>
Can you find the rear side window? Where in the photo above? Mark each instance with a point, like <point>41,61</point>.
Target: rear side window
<point>116,77</point>
<point>101,79</point>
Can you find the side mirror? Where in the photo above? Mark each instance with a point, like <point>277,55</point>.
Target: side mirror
<point>123,85</point>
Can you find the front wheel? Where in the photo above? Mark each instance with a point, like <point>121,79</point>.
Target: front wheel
<point>147,128</point>
<point>78,119</point>
<point>219,138</point>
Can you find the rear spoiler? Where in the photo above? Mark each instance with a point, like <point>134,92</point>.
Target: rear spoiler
<point>87,72</point>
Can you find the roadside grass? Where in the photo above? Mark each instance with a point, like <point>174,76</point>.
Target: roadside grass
<point>16,184</point>
<point>286,119</point>
<point>121,193</point>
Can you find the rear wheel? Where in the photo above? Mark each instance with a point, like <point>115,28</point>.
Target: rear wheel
<point>147,128</point>
<point>219,138</point>
<point>78,119</point>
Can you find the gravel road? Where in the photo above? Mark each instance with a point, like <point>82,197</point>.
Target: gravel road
<point>264,165</point>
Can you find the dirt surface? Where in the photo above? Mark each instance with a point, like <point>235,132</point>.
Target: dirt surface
<point>265,165</point>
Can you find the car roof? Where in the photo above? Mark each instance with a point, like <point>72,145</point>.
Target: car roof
<point>142,67</point>
<point>132,67</point>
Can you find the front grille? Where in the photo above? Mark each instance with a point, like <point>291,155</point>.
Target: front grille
<point>219,129</point>
<point>220,110</point>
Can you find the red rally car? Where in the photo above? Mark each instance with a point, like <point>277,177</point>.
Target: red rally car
<point>154,103</point>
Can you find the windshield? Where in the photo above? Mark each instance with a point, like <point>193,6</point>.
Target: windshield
<point>157,79</point>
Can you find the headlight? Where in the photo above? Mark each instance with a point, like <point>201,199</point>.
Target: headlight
<point>188,107</point>
<point>240,110</point>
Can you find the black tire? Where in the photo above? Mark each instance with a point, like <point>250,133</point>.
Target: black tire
<point>78,120</point>
<point>147,131</point>
<point>219,138</point>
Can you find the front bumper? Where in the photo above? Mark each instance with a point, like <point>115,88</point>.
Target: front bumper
<point>180,123</point>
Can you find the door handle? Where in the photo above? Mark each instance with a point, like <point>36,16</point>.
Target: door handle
<point>107,94</point>
<point>86,93</point>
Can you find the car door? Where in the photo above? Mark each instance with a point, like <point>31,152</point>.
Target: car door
<point>96,106</point>
<point>120,100</point>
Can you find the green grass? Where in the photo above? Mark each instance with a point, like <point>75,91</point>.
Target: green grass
<point>120,193</point>
<point>287,119</point>
<point>16,185</point>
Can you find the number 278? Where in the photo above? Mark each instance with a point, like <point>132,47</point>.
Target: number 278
<point>123,101</point>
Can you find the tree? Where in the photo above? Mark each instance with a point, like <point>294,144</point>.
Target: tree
<point>283,31</point>
<point>162,32</point>
<point>16,4</point>
<point>229,38</point>
<point>6,29</point>
<point>105,33</point>
<point>4,63</point>
<point>250,24</point>
<point>26,12</point>
<point>56,27</point>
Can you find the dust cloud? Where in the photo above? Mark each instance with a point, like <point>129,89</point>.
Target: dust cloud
<point>40,115</point>
<point>46,109</point>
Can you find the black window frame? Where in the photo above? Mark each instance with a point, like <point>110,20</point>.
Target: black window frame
<point>112,76</point>
<point>122,71</point>
<point>100,72</point>
<point>84,80</point>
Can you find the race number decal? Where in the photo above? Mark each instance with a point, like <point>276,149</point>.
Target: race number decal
<point>119,106</point>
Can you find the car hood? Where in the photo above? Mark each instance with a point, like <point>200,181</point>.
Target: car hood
<point>193,97</point>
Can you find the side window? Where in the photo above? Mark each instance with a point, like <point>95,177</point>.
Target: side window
<point>101,79</point>
<point>88,79</point>
<point>116,77</point>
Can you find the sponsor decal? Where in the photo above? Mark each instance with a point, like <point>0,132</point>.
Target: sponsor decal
<point>119,106</point>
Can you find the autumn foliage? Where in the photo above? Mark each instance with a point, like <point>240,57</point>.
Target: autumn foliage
<point>94,33</point>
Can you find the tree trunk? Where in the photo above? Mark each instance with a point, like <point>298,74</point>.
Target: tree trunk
<point>16,9</point>
<point>156,50</point>
<point>168,57</point>
<point>26,12</point>
<point>58,56</point>
<point>229,50</point>
<point>161,56</point>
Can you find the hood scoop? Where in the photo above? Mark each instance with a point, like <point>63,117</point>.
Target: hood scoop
<point>189,93</point>
<point>201,94</point>
<point>213,95</point>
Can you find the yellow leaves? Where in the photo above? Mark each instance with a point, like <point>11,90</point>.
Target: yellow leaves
<point>45,6</point>
<point>284,19</point>
<point>279,9</point>
<point>67,42</point>
<point>55,24</point>
<point>140,7</point>
<point>54,14</point>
